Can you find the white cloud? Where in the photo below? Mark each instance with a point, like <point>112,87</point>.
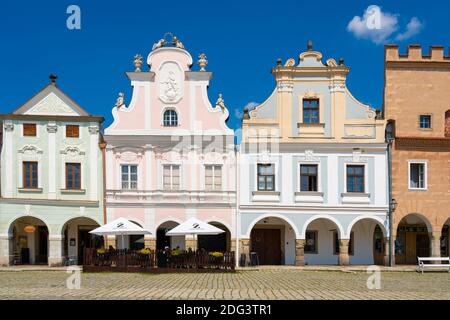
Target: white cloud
<point>379,26</point>
<point>238,113</point>
<point>412,28</point>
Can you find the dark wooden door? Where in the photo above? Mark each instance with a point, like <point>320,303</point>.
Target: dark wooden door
<point>423,245</point>
<point>267,244</point>
<point>42,252</point>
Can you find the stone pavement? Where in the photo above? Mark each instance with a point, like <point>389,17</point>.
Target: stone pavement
<point>265,283</point>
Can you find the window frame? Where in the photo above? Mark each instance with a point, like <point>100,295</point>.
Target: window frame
<point>170,124</point>
<point>316,242</point>
<point>430,123</point>
<point>128,173</point>
<point>310,109</point>
<point>29,124</point>
<point>425,178</point>
<point>73,186</point>
<point>364,178</point>
<point>25,185</point>
<point>171,176</point>
<point>265,177</point>
<point>213,166</point>
<point>300,164</point>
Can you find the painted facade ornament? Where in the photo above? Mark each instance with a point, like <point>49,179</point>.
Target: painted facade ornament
<point>93,129</point>
<point>309,156</point>
<point>52,105</point>
<point>120,100</point>
<point>72,152</point>
<point>202,61</point>
<point>159,44</point>
<point>52,128</point>
<point>220,102</point>
<point>9,127</point>
<point>177,43</point>
<point>30,150</point>
<point>137,61</point>
<point>170,89</point>
<point>285,87</point>
<point>290,62</point>
<point>337,87</point>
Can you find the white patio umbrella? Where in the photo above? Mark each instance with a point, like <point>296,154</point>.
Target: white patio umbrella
<point>194,227</point>
<point>121,227</point>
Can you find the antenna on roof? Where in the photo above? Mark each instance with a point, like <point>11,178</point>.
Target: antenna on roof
<point>53,78</point>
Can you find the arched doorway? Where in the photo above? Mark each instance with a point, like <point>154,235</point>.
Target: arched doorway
<point>220,242</point>
<point>163,241</point>
<point>413,239</point>
<point>30,241</point>
<point>273,239</point>
<point>77,238</point>
<point>322,242</point>
<point>368,245</point>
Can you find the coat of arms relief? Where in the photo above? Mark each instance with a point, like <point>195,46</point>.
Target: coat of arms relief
<point>170,85</point>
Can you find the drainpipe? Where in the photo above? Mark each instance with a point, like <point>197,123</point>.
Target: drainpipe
<point>391,220</point>
<point>238,217</point>
<point>102,145</point>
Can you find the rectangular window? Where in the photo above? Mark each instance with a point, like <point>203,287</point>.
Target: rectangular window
<point>73,176</point>
<point>308,177</point>
<point>30,175</point>
<point>213,177</point>
<point>29,130</point>
<point>311,242</point>
<point>336,243</point>
<point>72,131</point>
<point>171,177</point>
<point>417,174</point>
<point>425,121</point>
<point>266,177</point>
<point>129,176</point>
<point>355,178</point>
<point>310,110</point>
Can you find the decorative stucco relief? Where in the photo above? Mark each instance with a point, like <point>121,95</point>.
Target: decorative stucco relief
<point>170,83</point>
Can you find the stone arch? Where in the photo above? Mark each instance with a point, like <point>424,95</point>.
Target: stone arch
<point>421,216</point>
<point>340,229</point>
<point>376,219</point>
<point>272,215</point>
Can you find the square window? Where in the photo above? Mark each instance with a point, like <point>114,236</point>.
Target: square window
<point>29,130</point>
<point>72,131</point>
<point>425,122</point>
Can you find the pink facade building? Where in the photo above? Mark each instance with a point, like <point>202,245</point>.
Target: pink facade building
<point>170,155</point>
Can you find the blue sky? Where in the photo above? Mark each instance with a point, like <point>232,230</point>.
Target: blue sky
<point>242,40</point>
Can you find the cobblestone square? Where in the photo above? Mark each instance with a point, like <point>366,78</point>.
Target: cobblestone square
<point>259,284</point>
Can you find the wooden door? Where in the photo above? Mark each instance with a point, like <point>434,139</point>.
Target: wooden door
<point>267,244</point>
<point>378,246</point>
<point>411,254</point>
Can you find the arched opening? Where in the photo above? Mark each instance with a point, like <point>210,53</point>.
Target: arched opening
<point>170,118</point>
<point>163,241</point>
<point>220,242</point>
<point>76,238</point>
<point>273,239</point>
<point>133,241</point>
<point>30,241</point>
<point>322,242</point>
<point>368,245</point>
<point>445,240</point>
<point>413,239</point>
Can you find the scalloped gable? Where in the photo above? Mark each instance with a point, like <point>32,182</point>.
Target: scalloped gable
<point>51,101</point>
<point>266,110</point>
